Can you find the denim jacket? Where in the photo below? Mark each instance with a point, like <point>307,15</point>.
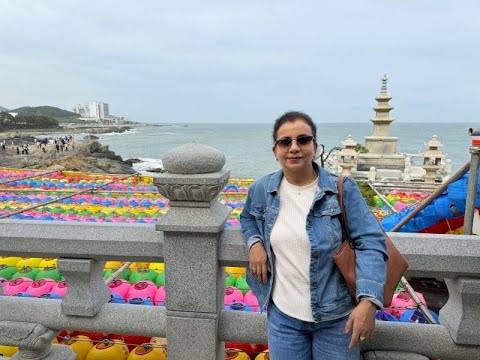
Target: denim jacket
<point>329,296</point>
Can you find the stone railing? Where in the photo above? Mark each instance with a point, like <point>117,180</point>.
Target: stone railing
<point>194,244</point>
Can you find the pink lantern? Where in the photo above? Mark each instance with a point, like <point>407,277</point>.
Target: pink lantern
<point>60,288</point>
<point>40,287</point>
<point>400,205</point>
<point>402,301</point>
<point>142,289</point>
<point>251,300</point>
<point>16,285</point>
<point>159,299</point>
<point>120,286</point>
<point>232,295</point>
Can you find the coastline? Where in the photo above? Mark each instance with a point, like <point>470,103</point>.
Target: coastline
<point>84,155</point>
<point>10,134</point>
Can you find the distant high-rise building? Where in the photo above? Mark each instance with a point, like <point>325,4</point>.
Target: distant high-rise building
<point>82,110</point>
<point>103,111</point>
<point>94,109</point>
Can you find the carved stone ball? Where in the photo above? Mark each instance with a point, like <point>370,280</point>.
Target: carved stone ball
<point>193,158</point>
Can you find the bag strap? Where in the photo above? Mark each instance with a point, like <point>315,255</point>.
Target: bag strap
<point>345,232</point>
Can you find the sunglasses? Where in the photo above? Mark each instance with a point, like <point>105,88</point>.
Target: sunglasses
<point>301,140</point>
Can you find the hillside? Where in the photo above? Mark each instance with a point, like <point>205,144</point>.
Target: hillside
<point>9,122</point>
<point>49,111</point>
<point>3,109</point>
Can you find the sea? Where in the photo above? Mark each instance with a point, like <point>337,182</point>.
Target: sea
<point>248,147</point>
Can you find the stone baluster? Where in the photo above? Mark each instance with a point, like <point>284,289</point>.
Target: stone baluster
<point>195,283</point>
<point>87,291</point>
<point>460,314</point>
<point>34,342</point>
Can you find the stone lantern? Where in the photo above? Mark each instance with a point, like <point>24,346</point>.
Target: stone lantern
<point>432,159</point>
<point>348,156</point>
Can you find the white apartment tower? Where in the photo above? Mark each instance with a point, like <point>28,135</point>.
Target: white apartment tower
<point>103,111</point>
<point>94,109</point>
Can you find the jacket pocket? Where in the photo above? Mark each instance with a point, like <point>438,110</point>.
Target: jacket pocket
<point>329,226</point>
<point>331,211</point>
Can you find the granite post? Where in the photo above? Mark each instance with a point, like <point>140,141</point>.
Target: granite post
<point>460,314</point>
<point>195,283</point>
<point>87,291</point>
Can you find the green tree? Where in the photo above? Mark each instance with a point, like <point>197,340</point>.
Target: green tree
<point>9,122</point>
<point>359,148</point>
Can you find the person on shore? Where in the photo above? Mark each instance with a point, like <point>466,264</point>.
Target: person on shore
<point>291,225</point>
<point>18,150</point>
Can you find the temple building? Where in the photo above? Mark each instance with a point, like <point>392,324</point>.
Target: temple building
<point>381,162</point>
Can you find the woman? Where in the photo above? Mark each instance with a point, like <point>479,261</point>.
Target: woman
<point>291,225</point>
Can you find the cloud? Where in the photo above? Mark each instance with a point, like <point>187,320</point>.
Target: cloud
<point>242,61</point>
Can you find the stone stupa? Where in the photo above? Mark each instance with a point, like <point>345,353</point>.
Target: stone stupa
<point>382,147</point>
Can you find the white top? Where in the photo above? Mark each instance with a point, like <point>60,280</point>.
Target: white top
<point>291,246</point>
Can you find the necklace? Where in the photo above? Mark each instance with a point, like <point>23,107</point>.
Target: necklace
<point>302,189</point>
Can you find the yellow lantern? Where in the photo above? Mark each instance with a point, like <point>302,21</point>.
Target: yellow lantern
<point>157,266</point>
<point>8,351</point>
<point>236,271</point>
<point>235,354</point>
<point>148,352</point>
<point>10,260</point>
<point>80,345</point>
<point>108,350</point>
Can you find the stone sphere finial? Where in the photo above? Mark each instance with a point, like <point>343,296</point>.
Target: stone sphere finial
<point>193,158</point>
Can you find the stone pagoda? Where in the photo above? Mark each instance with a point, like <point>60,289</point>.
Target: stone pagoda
<point>382,147</point>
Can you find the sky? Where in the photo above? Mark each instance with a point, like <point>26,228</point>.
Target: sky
<point>243,61</point>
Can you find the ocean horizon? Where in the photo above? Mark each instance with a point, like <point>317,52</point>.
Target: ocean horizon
<point>248,147</point>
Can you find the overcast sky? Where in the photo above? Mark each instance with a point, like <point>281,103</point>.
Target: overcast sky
<point>243,61</point>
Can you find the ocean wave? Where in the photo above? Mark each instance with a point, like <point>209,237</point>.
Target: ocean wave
<point>148,163</point>
<point>131,131</point>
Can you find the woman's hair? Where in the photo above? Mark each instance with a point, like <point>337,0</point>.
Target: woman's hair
<point>291,116</point>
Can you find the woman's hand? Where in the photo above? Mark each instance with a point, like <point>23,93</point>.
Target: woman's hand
<point>362,321</point>
<point>258,261</point>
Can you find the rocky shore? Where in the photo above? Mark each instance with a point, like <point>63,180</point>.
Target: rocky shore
<point>88,156</point>
<point>23,133</point>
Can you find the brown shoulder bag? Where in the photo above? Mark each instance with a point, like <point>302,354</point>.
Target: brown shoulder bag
<point>345,259</point>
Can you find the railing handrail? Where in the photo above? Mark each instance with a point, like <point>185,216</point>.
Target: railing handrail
<point>99,241</point>
<point>429,255</point>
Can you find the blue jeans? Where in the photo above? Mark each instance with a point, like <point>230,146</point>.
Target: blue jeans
<point>293,339</point>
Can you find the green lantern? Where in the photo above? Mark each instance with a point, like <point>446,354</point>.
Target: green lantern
<point>242,285</point>
<point>160,280</point>
<point>125,275</point>
<point>26,271</point>
<point>142,275</point>
<point>230,280</point>
<point>49,273</point>
<point>6,271</point>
